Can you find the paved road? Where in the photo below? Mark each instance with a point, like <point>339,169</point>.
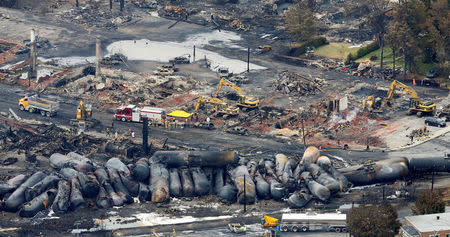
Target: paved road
<point>213,140</point>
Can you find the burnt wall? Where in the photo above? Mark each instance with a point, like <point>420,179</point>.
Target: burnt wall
<point>19,3</point>
<point>8,3</point>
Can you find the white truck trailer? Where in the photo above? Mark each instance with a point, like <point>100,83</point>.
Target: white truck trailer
<point>310,221</point>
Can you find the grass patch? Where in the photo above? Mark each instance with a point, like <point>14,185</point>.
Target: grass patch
<point>422,68</point>
<point>335,50</point>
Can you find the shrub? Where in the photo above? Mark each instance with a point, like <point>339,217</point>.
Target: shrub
<point>363,51</point>
<point>314,42</point>
<point>429,202</point>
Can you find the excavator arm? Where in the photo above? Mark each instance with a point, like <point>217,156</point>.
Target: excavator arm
<point>369,101</point>
<point>201,100</point>
<point>396,84</point>
<point>245,101</point>
<point>230,84</point>
<point>416,104</point>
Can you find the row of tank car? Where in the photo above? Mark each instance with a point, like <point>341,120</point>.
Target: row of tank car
<point>166,174</point>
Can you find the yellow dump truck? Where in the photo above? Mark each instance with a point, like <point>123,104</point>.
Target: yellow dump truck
<point>34,104</point>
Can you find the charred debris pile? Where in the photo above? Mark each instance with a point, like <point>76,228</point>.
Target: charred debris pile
<point>95,14</point>
<point>294,84</point>
<point>45,140</point>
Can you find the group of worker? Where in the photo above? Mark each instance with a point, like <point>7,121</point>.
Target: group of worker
<point>173,123</point>
<point>168,123</point>
<point>109,131</point>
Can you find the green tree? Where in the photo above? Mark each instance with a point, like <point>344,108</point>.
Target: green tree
<point>438,26</point>
<point>370,220</point>
<point>403,15</point>
<point>394,38</point>
<point>378,21</point>
<point>301,23</point>
<point>428,202</point>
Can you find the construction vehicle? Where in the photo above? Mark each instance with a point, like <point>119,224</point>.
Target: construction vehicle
<point>174,11</point>
<point>181,60</point>
<point>204,125</point>
<point>263,49</point>
<point>269,221</point>
<point>443,113</point>
<point>34,104</point>
<point>296,222</point>
<point>167,66</point>
<point>222,109</point>
<point>372,104</point>
<point>84,116</point>
<point>237,228</point>
<point>132,113</point>
<point>163,72</point>
<point>224,72</point>
<point>239,79</point>
<point>244,101</point>
<point>416,106</point>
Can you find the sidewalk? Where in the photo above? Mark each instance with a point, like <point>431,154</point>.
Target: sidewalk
<point>421,140</point>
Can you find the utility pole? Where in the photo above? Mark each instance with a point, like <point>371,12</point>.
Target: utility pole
<point>245,197</point>
<point>194,54</point>
<point>121,5</point>
<point>110,4</point>
<point>33,57</point>
<point>99,56</point>
<point>145,135</point>
<point>248,59</point>
<point>432,180</point>
<point>303,133</point>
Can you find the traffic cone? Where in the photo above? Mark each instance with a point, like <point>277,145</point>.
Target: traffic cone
<point>414,81</point>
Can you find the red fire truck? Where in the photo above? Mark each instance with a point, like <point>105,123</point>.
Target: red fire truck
<point>131,113</point>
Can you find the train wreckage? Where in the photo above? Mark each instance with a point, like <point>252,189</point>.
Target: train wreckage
<point>166,174</point>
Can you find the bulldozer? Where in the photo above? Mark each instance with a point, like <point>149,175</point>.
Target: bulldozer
<point>84,116</point>
<point>416,105</point>
<point>372,104</point>
<point>222,109</point>
<point>245,102</point>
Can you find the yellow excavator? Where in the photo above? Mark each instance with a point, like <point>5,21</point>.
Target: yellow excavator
<point>416,105</point>
<point>222,109</point>
<point>372,104</point>
<point>84,116</point>
<point>269,221</point>
<point>244,101</point>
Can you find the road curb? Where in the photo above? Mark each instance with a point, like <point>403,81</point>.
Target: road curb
<point>428,138</point>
